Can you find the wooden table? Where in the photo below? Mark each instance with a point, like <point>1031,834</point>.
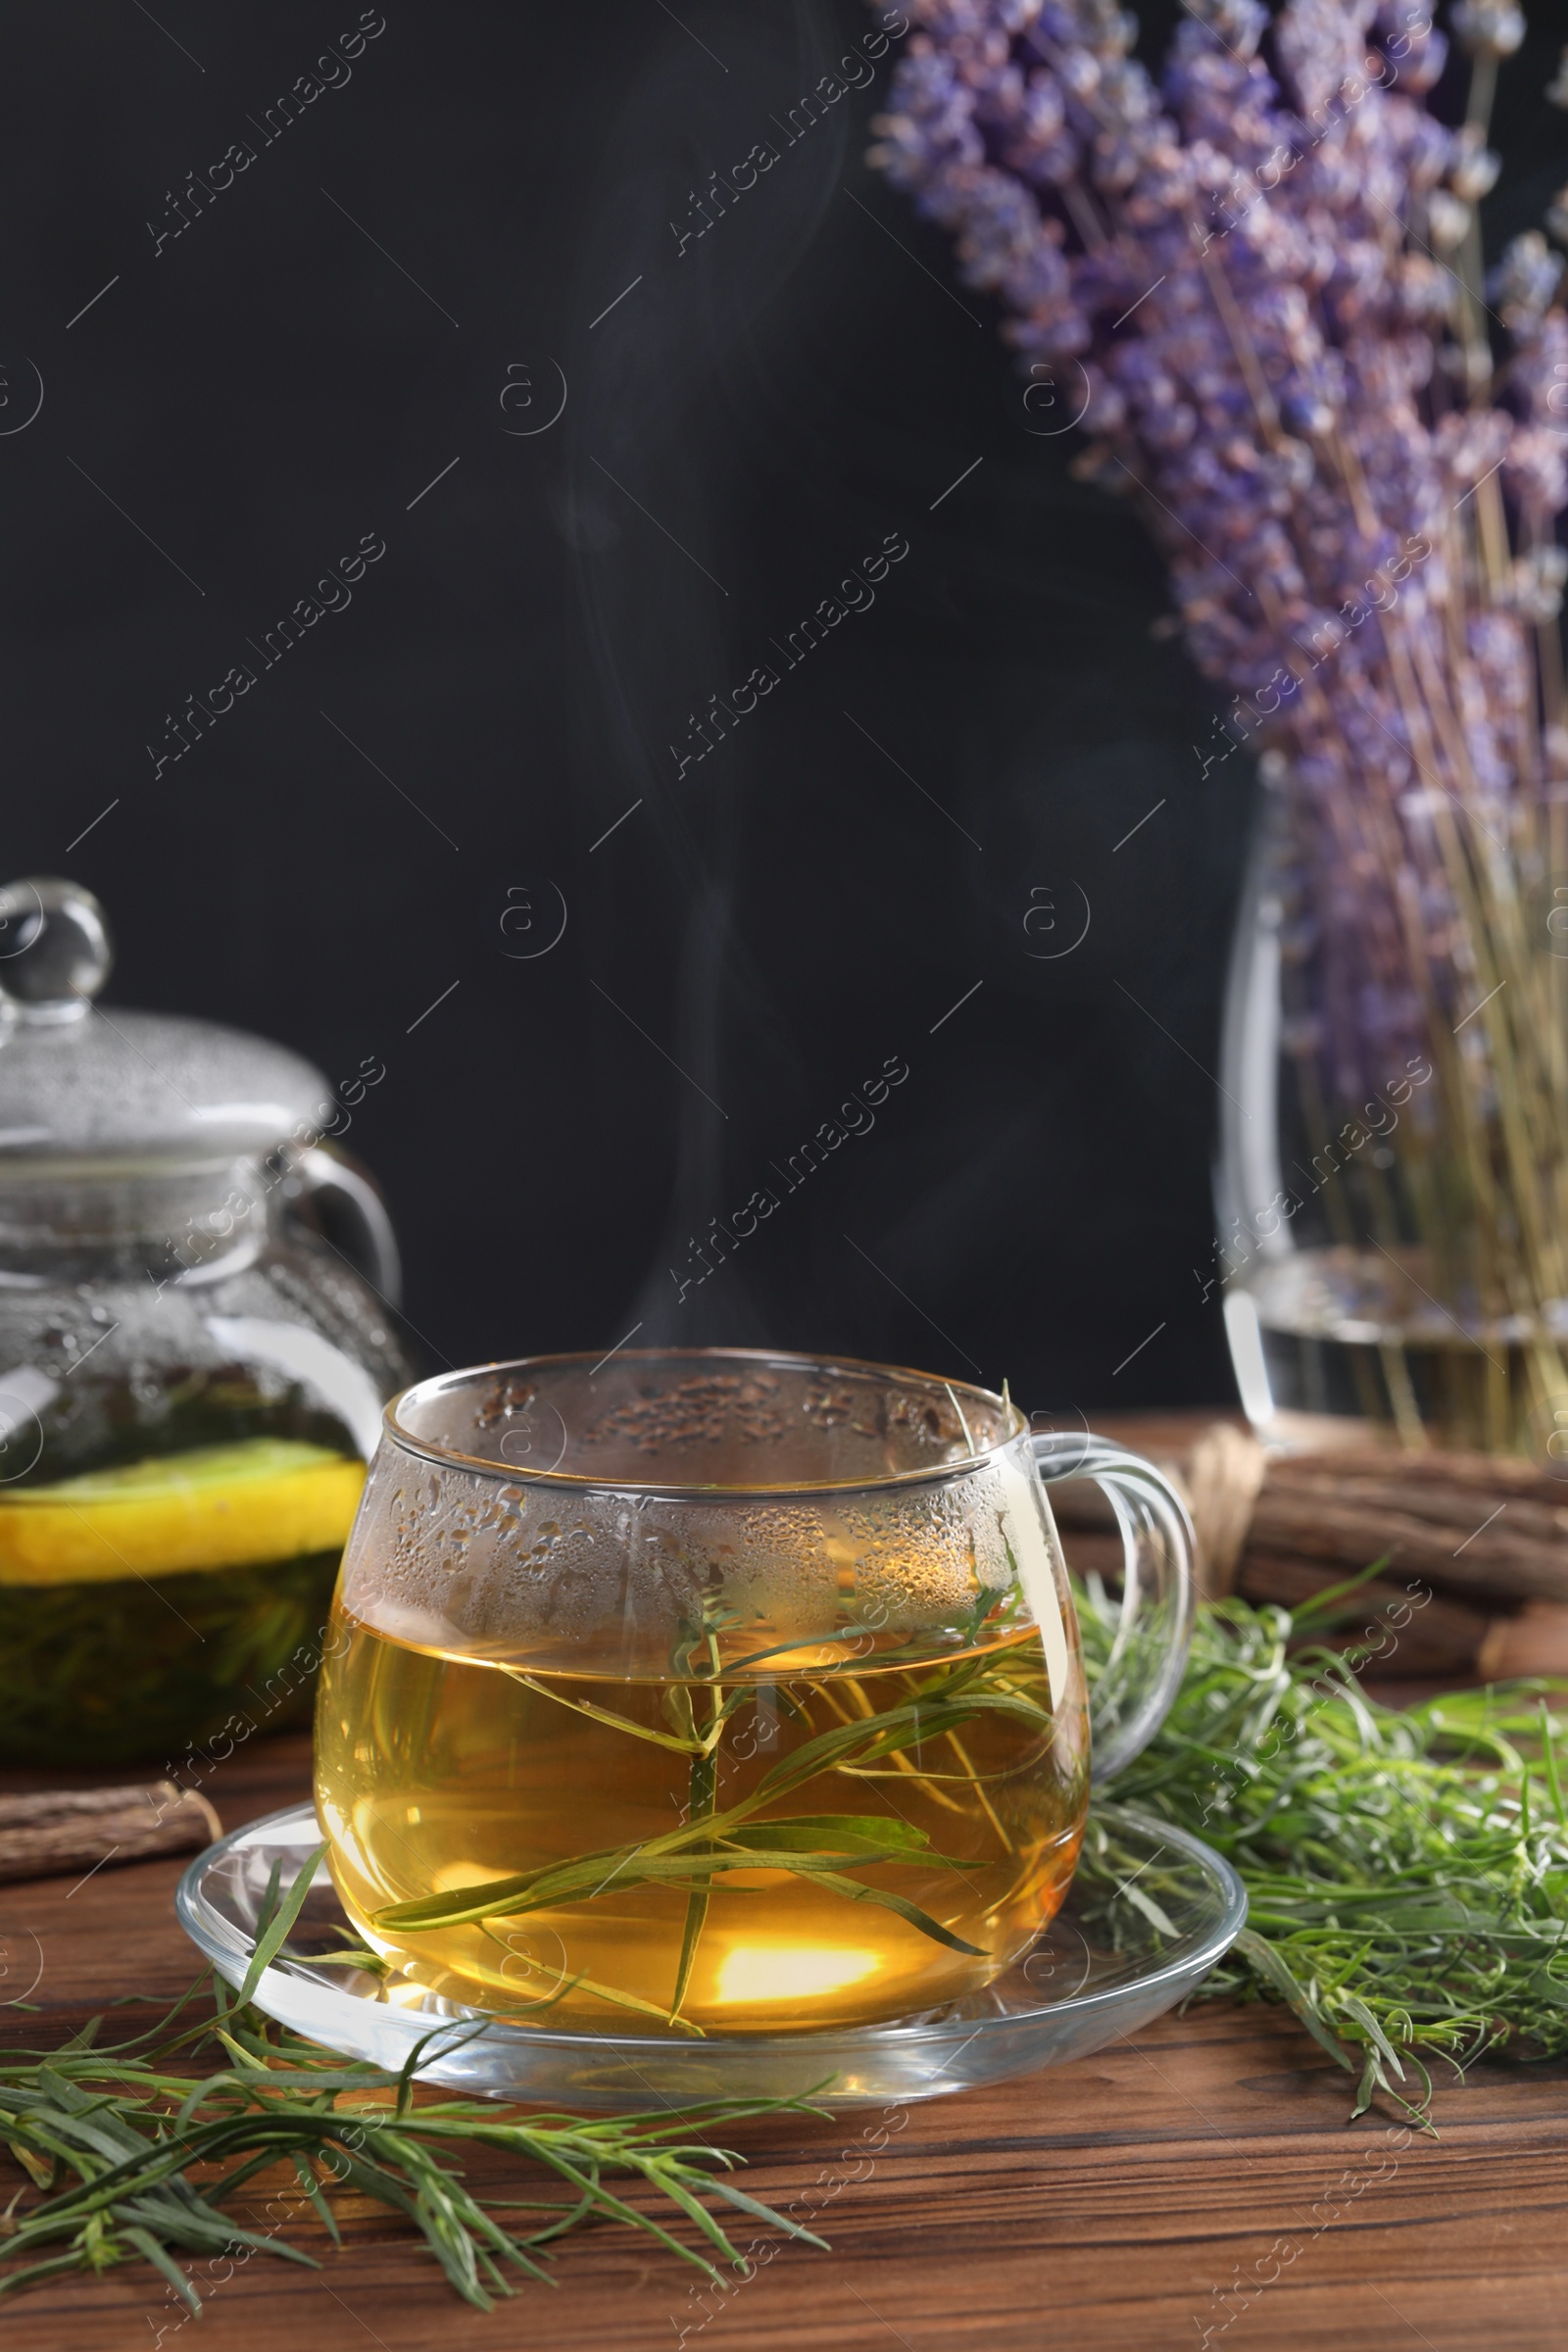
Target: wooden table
<point>1108,2205</point>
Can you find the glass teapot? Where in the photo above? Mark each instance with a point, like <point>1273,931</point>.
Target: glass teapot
<point>197,1336</point>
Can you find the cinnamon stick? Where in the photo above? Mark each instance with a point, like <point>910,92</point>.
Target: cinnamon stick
<point>52,1830</point>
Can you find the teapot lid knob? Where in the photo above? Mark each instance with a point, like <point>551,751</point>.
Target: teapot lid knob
<point>55,948</point>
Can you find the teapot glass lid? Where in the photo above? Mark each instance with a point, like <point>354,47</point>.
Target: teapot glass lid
<point>84,1088</point>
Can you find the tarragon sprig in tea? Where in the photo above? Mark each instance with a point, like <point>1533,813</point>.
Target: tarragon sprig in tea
<point>822,1849</point>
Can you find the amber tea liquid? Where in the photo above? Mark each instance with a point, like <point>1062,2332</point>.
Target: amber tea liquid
<point>438,1772</point>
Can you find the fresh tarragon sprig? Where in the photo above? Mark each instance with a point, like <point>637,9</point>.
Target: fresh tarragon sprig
<point>1406,1869</point>
<point>137,2160</point>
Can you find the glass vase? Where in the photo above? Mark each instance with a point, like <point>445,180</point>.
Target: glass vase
<point>1391,1171</point>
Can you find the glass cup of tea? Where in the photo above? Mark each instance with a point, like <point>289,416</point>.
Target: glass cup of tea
<point>710,1691</point>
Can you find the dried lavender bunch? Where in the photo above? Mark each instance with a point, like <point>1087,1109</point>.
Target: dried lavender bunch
<point>1263,282</point>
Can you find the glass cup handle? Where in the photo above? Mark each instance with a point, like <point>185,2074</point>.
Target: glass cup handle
<point>1133,1694</point>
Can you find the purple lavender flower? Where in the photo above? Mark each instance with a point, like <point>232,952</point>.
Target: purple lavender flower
<point>1246,259</point>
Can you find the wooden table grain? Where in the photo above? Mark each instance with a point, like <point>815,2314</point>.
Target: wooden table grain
<point>1195,2184</point>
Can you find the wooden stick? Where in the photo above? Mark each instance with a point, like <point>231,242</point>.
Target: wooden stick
<point>1419,1633</point>
<point>1490,1532</point>
<point>1465,1556</point>
<point>1501,1474</point>
<point>1446,1505</point>
<point>53,1830</point>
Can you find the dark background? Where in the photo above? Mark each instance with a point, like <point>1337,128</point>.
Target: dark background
<point>744,425</point>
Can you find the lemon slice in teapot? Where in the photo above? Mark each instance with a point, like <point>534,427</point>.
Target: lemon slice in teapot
<point>215,1506</point>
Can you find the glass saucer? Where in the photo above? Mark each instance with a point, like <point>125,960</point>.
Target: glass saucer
<point>1150,1912</point>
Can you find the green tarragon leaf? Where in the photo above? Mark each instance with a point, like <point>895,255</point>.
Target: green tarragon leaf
<point>846,1831</point>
